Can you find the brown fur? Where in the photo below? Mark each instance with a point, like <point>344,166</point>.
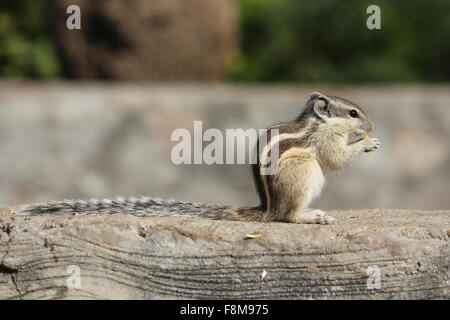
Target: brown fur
<point>315,142</point>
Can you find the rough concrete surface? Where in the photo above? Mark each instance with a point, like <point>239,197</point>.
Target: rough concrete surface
<point>128,257</point>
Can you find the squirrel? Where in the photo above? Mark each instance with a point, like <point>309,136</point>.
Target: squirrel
<point>326,136</point>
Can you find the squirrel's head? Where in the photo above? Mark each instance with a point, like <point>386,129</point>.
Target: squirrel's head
<point>338,112</point>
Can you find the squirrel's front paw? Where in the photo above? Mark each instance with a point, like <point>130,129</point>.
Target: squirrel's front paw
<point>371,144</point>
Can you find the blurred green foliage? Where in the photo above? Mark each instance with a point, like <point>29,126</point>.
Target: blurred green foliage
<point>281,40</point>
<point>328,41</point>
<point>26,47</point>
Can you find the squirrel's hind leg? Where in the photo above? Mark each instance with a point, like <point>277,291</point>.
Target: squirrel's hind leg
<point>306,182</point>
<point>313,216</point>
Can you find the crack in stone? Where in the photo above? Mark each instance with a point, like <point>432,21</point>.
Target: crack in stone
<point>4,268</point>
<point>13,279</point>
<point>11,271</point>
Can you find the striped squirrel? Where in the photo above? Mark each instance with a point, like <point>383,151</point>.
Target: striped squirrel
<point>326,136</point>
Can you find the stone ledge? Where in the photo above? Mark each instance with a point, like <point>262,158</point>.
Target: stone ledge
<point>128,257</point>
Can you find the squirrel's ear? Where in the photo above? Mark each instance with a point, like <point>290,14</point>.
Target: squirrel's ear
<point>315,95</point>
<point>321,107</point>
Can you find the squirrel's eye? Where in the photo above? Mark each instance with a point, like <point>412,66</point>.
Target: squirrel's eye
<point>353,113</point>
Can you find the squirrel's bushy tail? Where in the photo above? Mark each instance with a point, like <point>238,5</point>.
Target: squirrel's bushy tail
<point>143,206</point>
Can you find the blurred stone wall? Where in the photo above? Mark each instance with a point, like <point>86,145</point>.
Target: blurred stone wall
<point>87,140</point>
